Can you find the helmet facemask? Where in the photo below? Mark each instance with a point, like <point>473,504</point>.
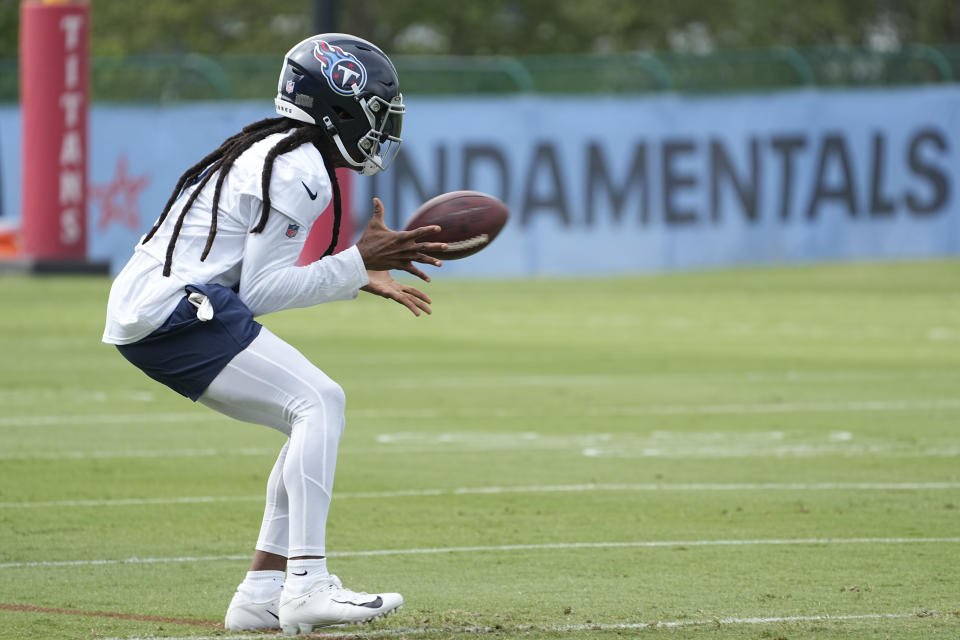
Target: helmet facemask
<point>379,146</point>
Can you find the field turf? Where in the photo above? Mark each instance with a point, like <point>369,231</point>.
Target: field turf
<point>763,454</point>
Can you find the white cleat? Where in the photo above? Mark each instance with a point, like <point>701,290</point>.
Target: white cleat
<point>329,603</point>
<point>244,614</point>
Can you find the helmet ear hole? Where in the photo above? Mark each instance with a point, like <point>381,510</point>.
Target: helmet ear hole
<point>342,113</point>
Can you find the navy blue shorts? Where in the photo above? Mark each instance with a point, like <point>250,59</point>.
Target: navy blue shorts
<point>185,353</point>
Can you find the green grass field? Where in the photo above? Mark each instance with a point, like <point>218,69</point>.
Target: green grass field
<point>763,454</point>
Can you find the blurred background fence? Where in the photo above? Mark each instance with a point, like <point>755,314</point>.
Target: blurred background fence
<point>180,77</point>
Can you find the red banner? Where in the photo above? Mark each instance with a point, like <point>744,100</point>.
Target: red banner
<point>54,92</point>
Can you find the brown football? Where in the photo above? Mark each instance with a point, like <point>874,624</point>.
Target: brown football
<point>469,221</point>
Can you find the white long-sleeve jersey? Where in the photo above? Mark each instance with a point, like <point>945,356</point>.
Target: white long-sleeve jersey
<point>262,264</point>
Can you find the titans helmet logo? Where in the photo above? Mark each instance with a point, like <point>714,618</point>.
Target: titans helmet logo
<point>341,69</point>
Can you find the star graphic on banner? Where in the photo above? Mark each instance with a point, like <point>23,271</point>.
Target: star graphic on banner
<point>117,199</point>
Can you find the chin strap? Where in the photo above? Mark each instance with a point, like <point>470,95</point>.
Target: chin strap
<point>368,168</point>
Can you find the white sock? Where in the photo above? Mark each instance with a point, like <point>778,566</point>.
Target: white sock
<point>263,586</point>
<point>303,574</point>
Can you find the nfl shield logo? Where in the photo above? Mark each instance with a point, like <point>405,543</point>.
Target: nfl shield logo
<point>292,230</point>
<point>289,86</point>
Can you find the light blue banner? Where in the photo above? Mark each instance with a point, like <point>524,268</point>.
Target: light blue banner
<point>604,185</point>
<point>620,185</point>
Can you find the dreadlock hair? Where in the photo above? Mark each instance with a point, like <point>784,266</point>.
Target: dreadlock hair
<point>221,160</point>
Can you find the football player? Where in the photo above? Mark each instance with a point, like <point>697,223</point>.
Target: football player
<point>224,251</point>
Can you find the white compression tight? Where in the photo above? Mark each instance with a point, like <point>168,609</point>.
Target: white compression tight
<point>273,384</point>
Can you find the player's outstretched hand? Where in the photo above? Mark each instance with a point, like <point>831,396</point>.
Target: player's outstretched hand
<point>383,249</point>
<point>383,284</point>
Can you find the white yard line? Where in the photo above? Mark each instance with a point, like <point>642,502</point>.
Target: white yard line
<point>839,406</point>
<point>108,418</point>
<point>147,417</point>
<point>33,395</point>
<point>126,502</point>
<point>781,407</point>
<point>563,488</point>
<point>629,448</point>
<point>89,563</point>
<point>567,628</point>
<point>511,547</point>
<point>142,453</point>
<point>500,380</point>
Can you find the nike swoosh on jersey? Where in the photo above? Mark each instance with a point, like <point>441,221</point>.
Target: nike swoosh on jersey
<point>312,194</point>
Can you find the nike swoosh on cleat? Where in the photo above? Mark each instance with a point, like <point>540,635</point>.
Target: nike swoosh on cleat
<point>312,194</point>
<point>373,604</point>
<point>273,614</point>
<point>298,574</point>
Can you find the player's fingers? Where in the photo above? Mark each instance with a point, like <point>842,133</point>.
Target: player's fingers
<point>420,304</point>
<point>410,304</point>
<point>431,247</point>
<point>417,294</point>
<point>415,304</point>
<point>378,212</point>
<point>428,259</point>
<point>419,232</point>
<point>412,270</point>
